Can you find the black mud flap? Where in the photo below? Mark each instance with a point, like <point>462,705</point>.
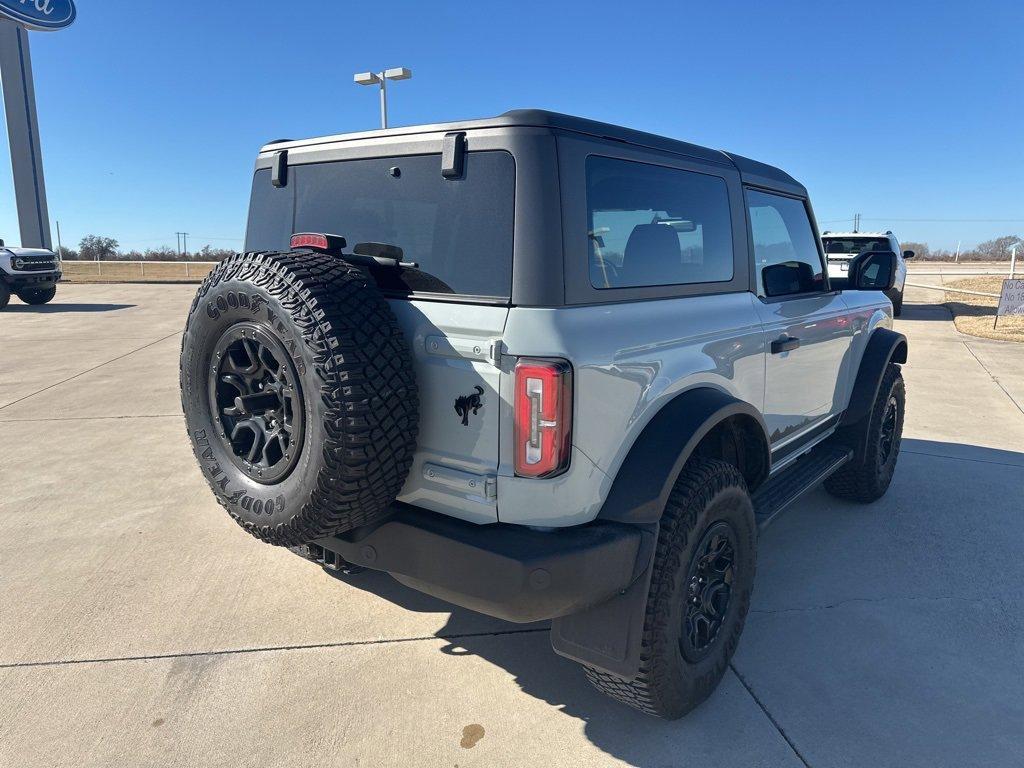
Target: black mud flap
<point>608,635</point>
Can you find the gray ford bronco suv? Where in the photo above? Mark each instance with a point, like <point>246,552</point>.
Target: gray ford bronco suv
<point>31,274</point>
<point>546,369</point>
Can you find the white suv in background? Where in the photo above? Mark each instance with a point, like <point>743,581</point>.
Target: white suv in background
<point>31,274</point>
<point>842,247</point>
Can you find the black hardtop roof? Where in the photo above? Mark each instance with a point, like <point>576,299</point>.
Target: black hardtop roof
<point>751,171</point>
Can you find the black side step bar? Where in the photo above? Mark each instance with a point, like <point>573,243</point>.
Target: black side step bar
<point>807,473</point>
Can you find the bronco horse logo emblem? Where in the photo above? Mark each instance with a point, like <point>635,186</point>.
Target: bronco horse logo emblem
<point>467,403</point>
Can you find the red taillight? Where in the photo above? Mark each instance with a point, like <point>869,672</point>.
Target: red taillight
<point>543,409</point>
<point>309,241</point>
<point>318,241</point>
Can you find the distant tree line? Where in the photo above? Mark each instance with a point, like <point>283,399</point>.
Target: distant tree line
<point>991,250</point>
<point>99,248</point>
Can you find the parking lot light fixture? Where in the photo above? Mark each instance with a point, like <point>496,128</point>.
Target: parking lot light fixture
<point>380,79</point>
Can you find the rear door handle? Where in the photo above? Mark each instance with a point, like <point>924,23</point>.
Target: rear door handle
<point>785,344</point>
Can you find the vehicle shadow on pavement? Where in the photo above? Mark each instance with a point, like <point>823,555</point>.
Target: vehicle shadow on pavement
<point>925,312</point>
<point>49,309</point>
<point>727,729</point>
<point>977,453</point>
<point>847,626</point>
<point>884,632</point>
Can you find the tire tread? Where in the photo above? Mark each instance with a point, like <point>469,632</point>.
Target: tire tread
<point>366,383</point>
<point>701,480</point>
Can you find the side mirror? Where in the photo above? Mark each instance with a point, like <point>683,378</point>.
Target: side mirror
<point>873,271</point>
<point>908,254</point>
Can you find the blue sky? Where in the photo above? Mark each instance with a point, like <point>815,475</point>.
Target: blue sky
<point>152,113</point>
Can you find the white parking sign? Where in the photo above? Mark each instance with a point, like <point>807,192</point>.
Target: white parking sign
<point>1011,300</point>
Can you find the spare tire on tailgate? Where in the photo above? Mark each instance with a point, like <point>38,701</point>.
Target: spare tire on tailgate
<point>299,394</point>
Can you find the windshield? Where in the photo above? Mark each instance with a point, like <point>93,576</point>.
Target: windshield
<point>458,232</point>
<point>852,246</point>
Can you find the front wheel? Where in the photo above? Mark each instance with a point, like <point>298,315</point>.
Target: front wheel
<point>701,585</point>
<point>877,442</point>
<point>38,296</point>
<point>5,294</point>
<point>897,306</point>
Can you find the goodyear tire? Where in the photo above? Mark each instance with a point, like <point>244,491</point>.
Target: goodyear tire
<point>5,294</point>
<point>700,593</point>
<point>299,395</point>
<point>876,442</point>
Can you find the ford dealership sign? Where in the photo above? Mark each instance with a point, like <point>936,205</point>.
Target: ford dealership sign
<point>39,14</point>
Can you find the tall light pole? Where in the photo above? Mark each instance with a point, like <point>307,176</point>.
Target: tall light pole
<point>381,78</point>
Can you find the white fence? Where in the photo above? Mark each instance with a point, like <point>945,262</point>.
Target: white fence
<point>136,271</point>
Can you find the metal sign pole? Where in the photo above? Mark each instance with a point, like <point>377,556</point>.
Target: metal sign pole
<point>23,133</point>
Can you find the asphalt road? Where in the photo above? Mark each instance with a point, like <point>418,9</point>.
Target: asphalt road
<point>140,627</point>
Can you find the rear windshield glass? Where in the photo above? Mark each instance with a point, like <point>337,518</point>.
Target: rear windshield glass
<point>458,232</point>
<point>851,246</point>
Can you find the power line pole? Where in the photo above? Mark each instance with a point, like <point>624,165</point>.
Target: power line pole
<point>856,222</point>
<point>60,248</point>
<point>184,240</point>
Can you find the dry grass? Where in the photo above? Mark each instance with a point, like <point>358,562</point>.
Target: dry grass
<point>976,314</point>
<point>134,272</point>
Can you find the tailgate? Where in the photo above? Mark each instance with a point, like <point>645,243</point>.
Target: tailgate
<point>838,266</point>
<point>455,467</point>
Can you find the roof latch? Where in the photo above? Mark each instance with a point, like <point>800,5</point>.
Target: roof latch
<point>279,170</point>
<point>453,155</point>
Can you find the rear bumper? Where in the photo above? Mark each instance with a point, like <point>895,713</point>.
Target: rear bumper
<point>508,571</point>
<point>17,281</point>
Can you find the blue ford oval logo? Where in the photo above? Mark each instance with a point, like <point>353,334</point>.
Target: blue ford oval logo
<point>39,14</point>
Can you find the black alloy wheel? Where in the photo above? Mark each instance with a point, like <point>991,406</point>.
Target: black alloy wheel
<point>708,588</point>
<point>256,402</point>
<point>888,437</point>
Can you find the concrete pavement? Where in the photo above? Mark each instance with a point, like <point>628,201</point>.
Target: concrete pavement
<point>140,626</point>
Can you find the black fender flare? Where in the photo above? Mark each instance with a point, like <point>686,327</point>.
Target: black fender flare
<point>884,346</point>
<point>608,636</point>
<point>647,474</point>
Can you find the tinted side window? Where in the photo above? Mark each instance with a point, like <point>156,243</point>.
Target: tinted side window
<point>651,225</point>
<point>458,231</point>
<point>785,247</point>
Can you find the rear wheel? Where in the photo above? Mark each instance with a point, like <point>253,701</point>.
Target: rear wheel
<point>877,443</point>
<point>299,395</point>
<point>37,296</point>
<point>700,592</point>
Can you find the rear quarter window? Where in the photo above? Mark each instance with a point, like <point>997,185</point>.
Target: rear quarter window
<point>651,225</point>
